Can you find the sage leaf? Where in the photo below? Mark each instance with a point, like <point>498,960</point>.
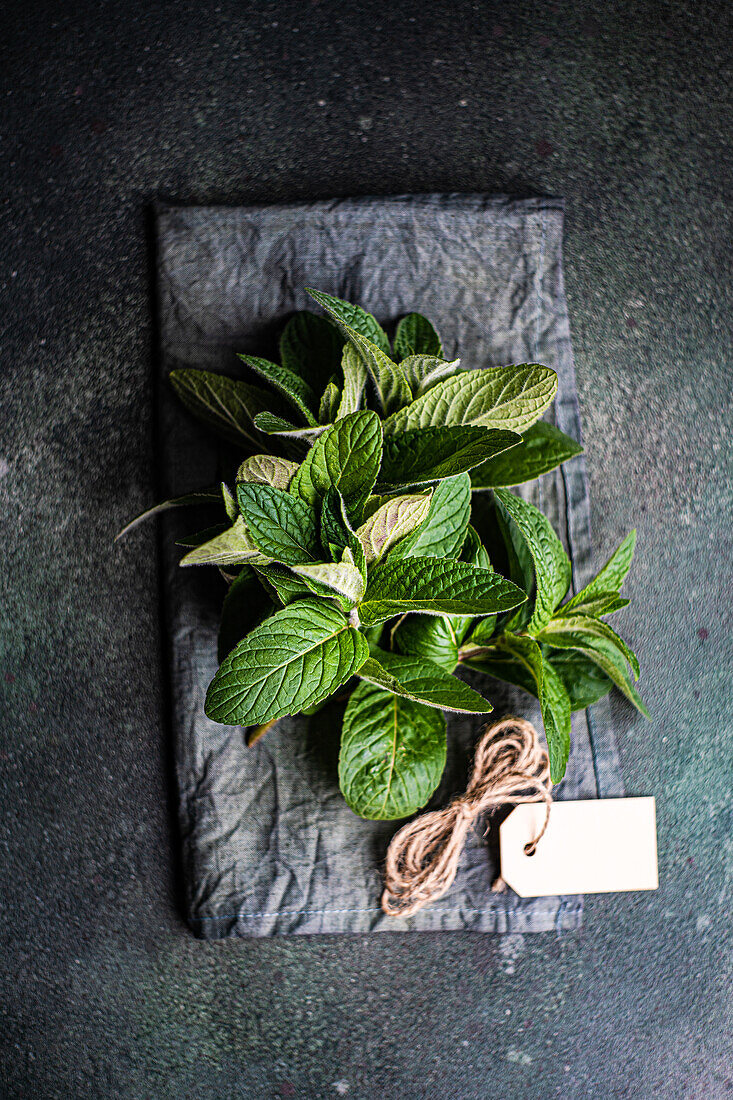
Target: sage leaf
<point>346,457</point>
<point>346,315</point>
<point>438,585</point>
<point>291,386</point>
<point>395,519</point>
<point>267,470</point>
<point>392,755</point>
<point>443,532</point>
<point>329,405</point>
<point>234,546</point>
<point>341,579</point>
<point>609,578</point>
<point>573,630</point>
<point>355,376</point>
<point>415,335</point>
<point>245,605</point>
<point>551,565</point>
<point>423,371</point>
<point>543,448</point>
<point>421,680</point>
<point>296,658</point>
<point>205,496</point>
<point>429,636</point>
<point>311,346</point>
<point>227,405</point>
<point>421,455</point>
<point>502,397</point>
<point>283,527</point>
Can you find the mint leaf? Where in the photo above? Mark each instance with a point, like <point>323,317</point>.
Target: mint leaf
<point>474,551</point>
<point>224,404</point>
<point>311,347</point>
<point>608,658</point>
<point>283,527</point>
<point>337,534</point>
<point>574,631</point>
<point>346,457</point>
<point>421,455</point>
<point>502,397</point>
<point>292,387</point>
<point>599,603</point>
<point>392,521</point>
<point>542,449</point>
<point>429,636</point>
<point>329,405</point>
<point>270,424</point>
<point>282,584</point>
<point>392,754</point>
<point>423,371</point>
<point>340,579</point>
<point>267,470</point>
<point>355,376</point>
<point>415,335</point>
<point>230,504</point>
<point>198,538</point>
<point>245,604</point>
<point>234,546</point>
<point>206,496</point>
<point>352,317</point>
<point>435,584</point>
<point>611,576</point>
<point>443,532</point>
<point>389,379</point>
<point>421,680</point>
<point>552,567</point>
<point>584,681</point>
<point>299,656</point>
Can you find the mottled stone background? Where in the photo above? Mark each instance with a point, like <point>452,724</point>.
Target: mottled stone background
<point>622,109</point>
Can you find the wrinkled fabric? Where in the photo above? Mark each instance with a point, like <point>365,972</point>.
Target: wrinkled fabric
<point>268,845</point>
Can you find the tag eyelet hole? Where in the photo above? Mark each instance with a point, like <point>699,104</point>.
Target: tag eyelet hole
<point>529,850</point>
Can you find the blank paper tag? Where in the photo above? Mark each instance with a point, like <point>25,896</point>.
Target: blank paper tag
<point>590,847</point>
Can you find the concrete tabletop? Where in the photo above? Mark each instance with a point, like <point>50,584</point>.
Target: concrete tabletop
<point>106,107</point>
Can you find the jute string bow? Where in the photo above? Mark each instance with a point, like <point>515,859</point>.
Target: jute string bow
<point>510,767</point>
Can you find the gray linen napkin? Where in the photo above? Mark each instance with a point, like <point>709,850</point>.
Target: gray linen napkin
<point>269,846</point>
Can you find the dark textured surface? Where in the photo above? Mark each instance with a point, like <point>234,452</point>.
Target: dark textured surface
<point>621,109</point>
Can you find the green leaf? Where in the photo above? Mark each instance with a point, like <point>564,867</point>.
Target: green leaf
<point>245,604</point>
<point>227,405</point>
<point>267,470</point>
<point>346,457</point>
<point>283,527</point>
<point>584,681</point>
<point>421,455</point>
<point>502,666</point>
<point>206,496</point>
<point>282,584</point>
<point>421,680</point>
<point>599,603</point>
<point>355,377</point>
<point>198,538</point>
<point>606,655</point>
<point>423,371</point>
<point>299,656</point>
<point>572,631</point>
<point>292,387</point>
<point>474,551</point>
<point>542,449</point>
<point>481,635</point>
<point>311,347</point>
<point>340,579</point>
<point>395,519</point>
<point>276,425</point>
<point>552,567</point>
<point>435,584</point>
<point>230,504</point>
<point>337,534</point>
<point>330,402</point>
<point>234,546</point>
<point>443,533</point>
<point>429,636</point>
<point>415,335</point>
<point>502,397</point>
<point>392,754</point>
<point>611,576</point>
<point>352,317</point>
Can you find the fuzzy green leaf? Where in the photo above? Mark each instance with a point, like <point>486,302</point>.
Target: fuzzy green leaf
<point>392,756</point>
<point>542,449</point>
<point>291,386</point>
<point>431,637</point>
<point>421,680</point>
<point>270,424</point>
<point>235,546</point>
<point>355,378</point>
<point>552,567</point>
<point>573,630</point>
<point>415,335</point>
<point>226,405</point>
<point>346,457</point>
<point>341,579</point>
<point>206,496</point>
<point>502,397</point>
<point>443,532</point>
<point>352,317</point>
<point>395,519</point>
<point>283,527</point>
<point>267,470</point>
<point>610,578</point>
<point>424,371</point>
<point>435,584</point>
<point>311,347</point>
<point>282,585</point>
<point>299,656</point>
<point>421,455</point>
<point>329,405</point>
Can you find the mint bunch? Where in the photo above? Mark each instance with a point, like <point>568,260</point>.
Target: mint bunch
<point>366,558</point>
